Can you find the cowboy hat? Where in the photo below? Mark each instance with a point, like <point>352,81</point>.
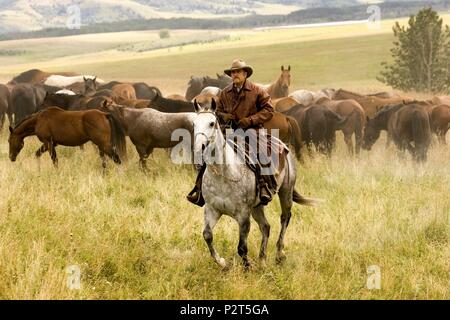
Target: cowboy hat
<point>237,65</point>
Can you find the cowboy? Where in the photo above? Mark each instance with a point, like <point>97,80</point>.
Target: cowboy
<point>246,106</point>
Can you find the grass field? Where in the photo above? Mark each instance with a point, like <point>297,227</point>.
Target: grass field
<point>135,236</point>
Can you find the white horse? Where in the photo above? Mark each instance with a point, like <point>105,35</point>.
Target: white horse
<point>62,81</point>
<point>211,90</point>
<point>308,98</point>
<point>66,91</point>
<point>228,188</point>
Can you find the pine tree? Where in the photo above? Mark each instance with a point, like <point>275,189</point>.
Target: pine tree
<point>421,55</point>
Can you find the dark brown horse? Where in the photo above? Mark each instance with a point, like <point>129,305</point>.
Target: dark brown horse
<point>55,126</point>
<point>25,99</point>
<point>318,126</point>
<point>440,121</point>
<point>4,104</point>
<point>74,102</point>
<point>197,84</point>
<point>408,126</point>
<point>171,105</point>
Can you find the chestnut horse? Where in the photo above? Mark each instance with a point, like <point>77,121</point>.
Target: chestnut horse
<point>55,126</point>
<point>440,121</point>
<point>280,88</point>
<point>354,125</point>
<point>124,90</point>
<point>370,104</point>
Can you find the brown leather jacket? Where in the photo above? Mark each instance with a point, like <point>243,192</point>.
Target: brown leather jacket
<point>252,102</point>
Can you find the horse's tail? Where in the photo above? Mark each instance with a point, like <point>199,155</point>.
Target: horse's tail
<point>296,136</point>
<point>118,140</point>
<point>421,134</point>
<point>298,198</point>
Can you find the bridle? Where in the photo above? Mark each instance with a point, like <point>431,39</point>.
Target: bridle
<point>215,127</point>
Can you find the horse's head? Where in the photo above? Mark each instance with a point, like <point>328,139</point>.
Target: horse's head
<point>371,133</point>
<point>15,144</point>
<point>205,127</point>
<point>195,86</point>
<point>285,78</point>
<point>90,85</point>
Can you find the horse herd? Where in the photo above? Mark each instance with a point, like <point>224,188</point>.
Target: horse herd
<point>38,103</point>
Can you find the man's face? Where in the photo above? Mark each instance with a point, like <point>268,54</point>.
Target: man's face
<point>238,77</point>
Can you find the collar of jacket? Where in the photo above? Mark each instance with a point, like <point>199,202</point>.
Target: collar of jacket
<point>246,86</point>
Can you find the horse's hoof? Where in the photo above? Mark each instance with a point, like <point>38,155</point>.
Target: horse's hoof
<point>222,263</point>
<point>280,259</point>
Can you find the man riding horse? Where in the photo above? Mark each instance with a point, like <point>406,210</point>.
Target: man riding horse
<point>243,105</point>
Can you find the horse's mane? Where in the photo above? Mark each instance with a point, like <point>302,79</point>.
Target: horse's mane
<point>159,103</point>
<point>27,118</point>
<point>349,92</point>
<point>388,108</point>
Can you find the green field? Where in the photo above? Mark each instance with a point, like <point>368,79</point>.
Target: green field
<point>136,237</point>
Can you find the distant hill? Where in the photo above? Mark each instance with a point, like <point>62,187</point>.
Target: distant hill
<point>26,18</point>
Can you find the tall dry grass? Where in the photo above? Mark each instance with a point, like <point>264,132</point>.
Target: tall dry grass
<point>135,236</point>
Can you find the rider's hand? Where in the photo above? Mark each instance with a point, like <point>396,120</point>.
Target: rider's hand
<point>227,116</point>
<point>245,123</point>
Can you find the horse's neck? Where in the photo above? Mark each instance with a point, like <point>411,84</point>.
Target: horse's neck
<point>27,127</point>
<point>229,167</point>
<point>275,90</point>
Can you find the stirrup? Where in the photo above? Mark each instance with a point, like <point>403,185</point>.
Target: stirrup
<point>196,197</point>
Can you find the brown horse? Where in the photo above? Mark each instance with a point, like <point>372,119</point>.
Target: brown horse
<point>440,121</point>
<point>55,126</point>
<point>354,125</point>
<point>124,90</point>
<point>4,104</point>
<point>284,104</point>
<point>280,88</point>
<point>405,124</point>
<point>372,104</point>
<point>36,76</point>
<point>133,103</point>
<point>288,131</point>
<point>441,100</point>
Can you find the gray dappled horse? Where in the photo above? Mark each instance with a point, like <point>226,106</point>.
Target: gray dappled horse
<point>229,188</point>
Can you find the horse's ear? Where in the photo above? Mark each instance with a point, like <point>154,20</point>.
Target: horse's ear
<point>218,75</point>
<point>289,67</point>
<point>10,129</point>
<point>213,105</point>
<point>282,68</point>
<point>197,106</point>
<point>84,78</point>
<point>94,78</point>
<point>367,119</point>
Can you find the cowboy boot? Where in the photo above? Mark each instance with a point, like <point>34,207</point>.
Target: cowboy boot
<point>265,194</point>
<point>195,196</point>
